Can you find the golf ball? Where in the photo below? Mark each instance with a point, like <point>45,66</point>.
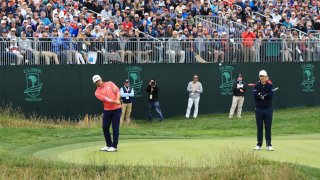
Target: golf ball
<point>220,64</point>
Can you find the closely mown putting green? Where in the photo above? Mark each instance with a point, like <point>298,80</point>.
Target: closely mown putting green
<point>300,149</point>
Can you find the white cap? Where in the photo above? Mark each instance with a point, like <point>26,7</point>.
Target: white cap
<point>96,78</point>
<point>263,73</point>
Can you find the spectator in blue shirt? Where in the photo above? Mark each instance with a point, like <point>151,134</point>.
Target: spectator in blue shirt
<point>44,19</point>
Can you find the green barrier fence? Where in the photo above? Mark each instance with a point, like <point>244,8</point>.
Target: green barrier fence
<point>68,91</point>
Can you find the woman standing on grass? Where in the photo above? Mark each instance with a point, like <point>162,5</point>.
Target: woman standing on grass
<point>263,95</point>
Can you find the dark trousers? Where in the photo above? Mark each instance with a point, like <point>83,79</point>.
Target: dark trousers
<point>111,117</point>
<point>264,116</point>
<point>154,105</point>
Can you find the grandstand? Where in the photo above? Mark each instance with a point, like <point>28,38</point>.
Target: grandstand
<point>158,31</point>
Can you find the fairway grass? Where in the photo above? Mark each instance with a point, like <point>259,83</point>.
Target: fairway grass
<point>302,150</point>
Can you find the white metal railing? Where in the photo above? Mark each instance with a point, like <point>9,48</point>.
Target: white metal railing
<point>52,51</point>
<point>234,29</point>
<point>211,26</point>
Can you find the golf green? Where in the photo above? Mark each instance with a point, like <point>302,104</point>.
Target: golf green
<point>302,149</point>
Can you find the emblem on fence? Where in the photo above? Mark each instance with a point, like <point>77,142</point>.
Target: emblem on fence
<point>135,79</point>
<point>308,78</point>
<point>33,84</point>
<point>226,80</point>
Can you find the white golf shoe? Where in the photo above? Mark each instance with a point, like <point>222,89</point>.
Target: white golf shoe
<point>270,148</point>
<point>112,149</point>
<point>104,148</point>
<point>257,148</point>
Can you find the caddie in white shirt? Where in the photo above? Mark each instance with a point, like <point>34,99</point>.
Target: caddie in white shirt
<point>195,89</point>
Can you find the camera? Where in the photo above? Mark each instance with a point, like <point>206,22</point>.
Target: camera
<point>152,83</point>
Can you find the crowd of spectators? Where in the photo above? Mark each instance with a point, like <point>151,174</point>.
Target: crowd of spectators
<point>60,22</point>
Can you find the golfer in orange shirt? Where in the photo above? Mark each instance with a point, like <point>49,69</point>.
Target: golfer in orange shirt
<point>109,94</point>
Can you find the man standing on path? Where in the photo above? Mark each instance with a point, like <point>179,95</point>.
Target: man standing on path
<point>263,95</point>
<point>195,89</point>
<point>127,94</point>
<point>109,94</point>
<point>239,88</point>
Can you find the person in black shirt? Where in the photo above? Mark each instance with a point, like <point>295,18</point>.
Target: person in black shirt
<point>263,95</point>
<point>239,88</point>
<point>153,101</point>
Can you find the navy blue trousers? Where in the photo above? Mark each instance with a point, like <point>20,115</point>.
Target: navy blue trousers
<point>111,117</point>
<point>264,117</point>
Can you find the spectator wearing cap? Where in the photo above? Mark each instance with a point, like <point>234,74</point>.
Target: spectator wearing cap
<point>69,28</point>
<point>59,11</point>
<point>45,47</point>
<point>185,13</point>
<point>68,50</point>
<point>24,8</point>
<point>172,13</point>
<point>287,23</point>
<point>126,94</point>
<point>12,34</point>
<point>147,18</point>
<point>151,31</point>
<point>26,45</point>
<point>3,25</point>
<point>14,48</point>
<point>175,48</point>
<point>239,89</point>
<point>96,32</point>
<point>29,31</point>
<point>56,41</point>
<point>168,21</point>
<point>106,12</point>
<point>136,23</point>
<point>49,11</point>
<point>276,16</point>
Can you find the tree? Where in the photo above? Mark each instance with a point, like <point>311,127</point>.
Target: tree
<point>134,77</point>
<point>227,76</point>
<point>33,79</point>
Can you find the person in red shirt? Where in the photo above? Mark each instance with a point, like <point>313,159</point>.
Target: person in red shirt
<point>127,24</point>
<point>109,94</point>
<point>248,38</point>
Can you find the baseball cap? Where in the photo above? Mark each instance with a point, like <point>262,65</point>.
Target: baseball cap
<point>127,80</point>
<point>240,75</point>
<point>96,78</point>
<point>263,73</point>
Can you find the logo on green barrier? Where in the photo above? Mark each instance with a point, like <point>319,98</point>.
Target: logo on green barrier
<point>226,80</point>
<point>135,79</point>
<point>33,84</point>
<point>308,78</point>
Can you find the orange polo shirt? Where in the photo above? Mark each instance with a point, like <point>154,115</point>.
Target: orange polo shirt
<point>108,91</point>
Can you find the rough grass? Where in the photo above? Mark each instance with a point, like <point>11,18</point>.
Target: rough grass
<point>21,137</point>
